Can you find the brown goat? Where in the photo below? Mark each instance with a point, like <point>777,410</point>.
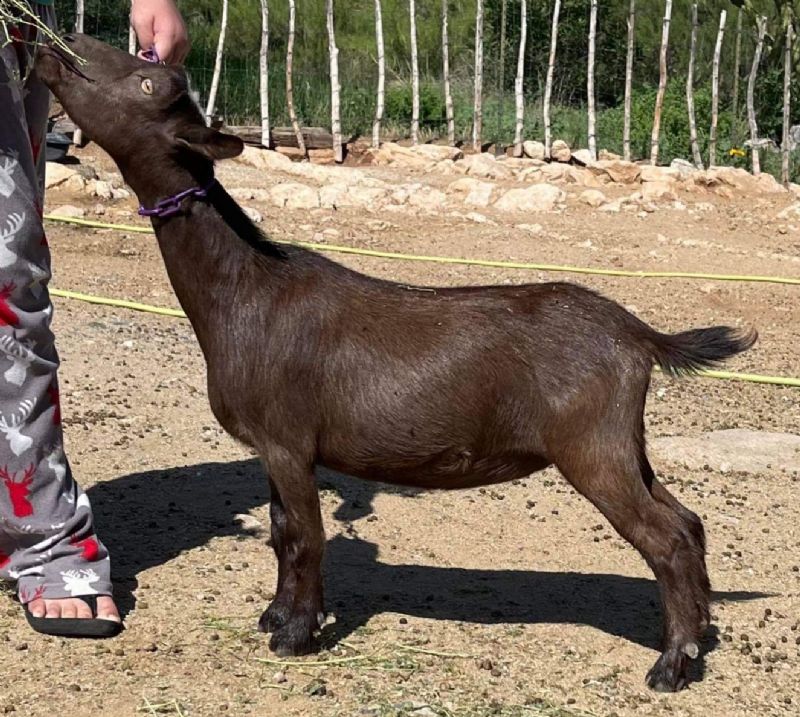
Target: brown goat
<point>313,364</point>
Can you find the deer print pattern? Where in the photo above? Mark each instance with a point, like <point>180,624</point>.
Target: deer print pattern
<point>47,538</point>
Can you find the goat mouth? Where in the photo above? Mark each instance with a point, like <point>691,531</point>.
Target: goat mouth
<point>63,60</point>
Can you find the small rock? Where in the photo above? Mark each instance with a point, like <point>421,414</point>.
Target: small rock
<point>531,228</point>
<point>76,183</point>
<point>658,190</point>
<point>618,171</point>
<point>279,677</point>
<point>427,198</point>
<point>659,174</point>
<point>56,174</point>
<point>253,214</point>
<point>768,184</point>
<point>423,156</point>
<point>536,198</point>
<point>119,193</point>
<point>264,159</point>
<point>612,207</point>
<point>560,152</point>
<point>478,218</point>
<point>583,157</point>
<point>294,195</point>
<point>100,189</point>
<point>683,166</point>
<point>68,210</point>
<point>593,197</point>
<point>533,149</point>
<point>484,165</point>
<point>474,192</point>
<point>248,522</point>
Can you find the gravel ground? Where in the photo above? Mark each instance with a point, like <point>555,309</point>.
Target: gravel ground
<point>512,600</point>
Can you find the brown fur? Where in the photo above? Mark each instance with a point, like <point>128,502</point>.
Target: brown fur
<point>313,364</point>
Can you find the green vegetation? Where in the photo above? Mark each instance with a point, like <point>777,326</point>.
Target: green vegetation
<point>239,102</point>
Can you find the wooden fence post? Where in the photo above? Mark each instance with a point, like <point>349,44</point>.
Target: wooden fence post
<point>333,53</point>
<point>698,160</point>
<point>761,24</point>
<point>448,97</point>
<point>737,58</point>
<point>263,68</point>
<point>590,79</point>
<point>298,133</point>
<point>519,80</point>
<point>548,85</point>
<point>477,107</point>
<point>626,128</point>
<point>379,105</point>
<point>212,93</point>
<point>662,83</point>
<point>412,11</point>
<point>787,102</point>
<point>712,136</point>
<point>501,100</point>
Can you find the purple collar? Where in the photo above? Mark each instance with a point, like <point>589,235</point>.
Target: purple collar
<point>172,205</point>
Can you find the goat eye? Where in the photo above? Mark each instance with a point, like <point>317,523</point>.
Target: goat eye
<point>147,86</point>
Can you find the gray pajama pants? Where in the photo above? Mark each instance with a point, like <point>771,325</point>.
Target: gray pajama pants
<point>47,539</point>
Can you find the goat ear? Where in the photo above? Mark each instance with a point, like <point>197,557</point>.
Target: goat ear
<point>209,143</point>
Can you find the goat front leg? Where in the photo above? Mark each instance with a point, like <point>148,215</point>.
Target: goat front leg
<point>298,538</point>
<point>277,614</point>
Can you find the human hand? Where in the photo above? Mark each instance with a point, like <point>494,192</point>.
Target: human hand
<point>159,26</point>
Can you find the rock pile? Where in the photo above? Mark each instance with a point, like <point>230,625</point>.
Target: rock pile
<point>508,185</point>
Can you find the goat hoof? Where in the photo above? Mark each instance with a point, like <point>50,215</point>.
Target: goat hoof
<point>294,638</point>
<point>274,617</point>
<point>669,672</point>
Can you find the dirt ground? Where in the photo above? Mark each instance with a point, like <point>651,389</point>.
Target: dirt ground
<point>513,600</point>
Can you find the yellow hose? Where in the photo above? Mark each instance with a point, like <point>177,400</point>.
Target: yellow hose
<point>164,311</point>
<point>497,264</point>
<point>118,302</point>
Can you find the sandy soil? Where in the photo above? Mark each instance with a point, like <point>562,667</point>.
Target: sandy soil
<point>512,600</point>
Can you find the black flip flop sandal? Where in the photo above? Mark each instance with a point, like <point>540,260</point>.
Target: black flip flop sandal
<point>94,627</point>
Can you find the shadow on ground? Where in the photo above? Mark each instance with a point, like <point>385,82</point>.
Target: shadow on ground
<point>148,518</point>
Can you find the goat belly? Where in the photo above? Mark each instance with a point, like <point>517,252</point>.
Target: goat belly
<point>451,469</point>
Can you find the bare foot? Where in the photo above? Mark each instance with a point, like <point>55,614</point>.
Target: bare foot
<point>74,607</point>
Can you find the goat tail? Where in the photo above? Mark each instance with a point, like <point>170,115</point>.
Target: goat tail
<point>688,352</point>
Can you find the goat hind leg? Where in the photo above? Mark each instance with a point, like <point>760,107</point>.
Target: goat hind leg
<point>696,536</point>
<point>657,531</point>
<point>297,611</point>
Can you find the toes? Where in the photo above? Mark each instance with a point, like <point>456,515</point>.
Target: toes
<point>82,610</point>
<point>69,609</point>
<point>107,610</point>
<point>37,607</point>
<point>52,608</point>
